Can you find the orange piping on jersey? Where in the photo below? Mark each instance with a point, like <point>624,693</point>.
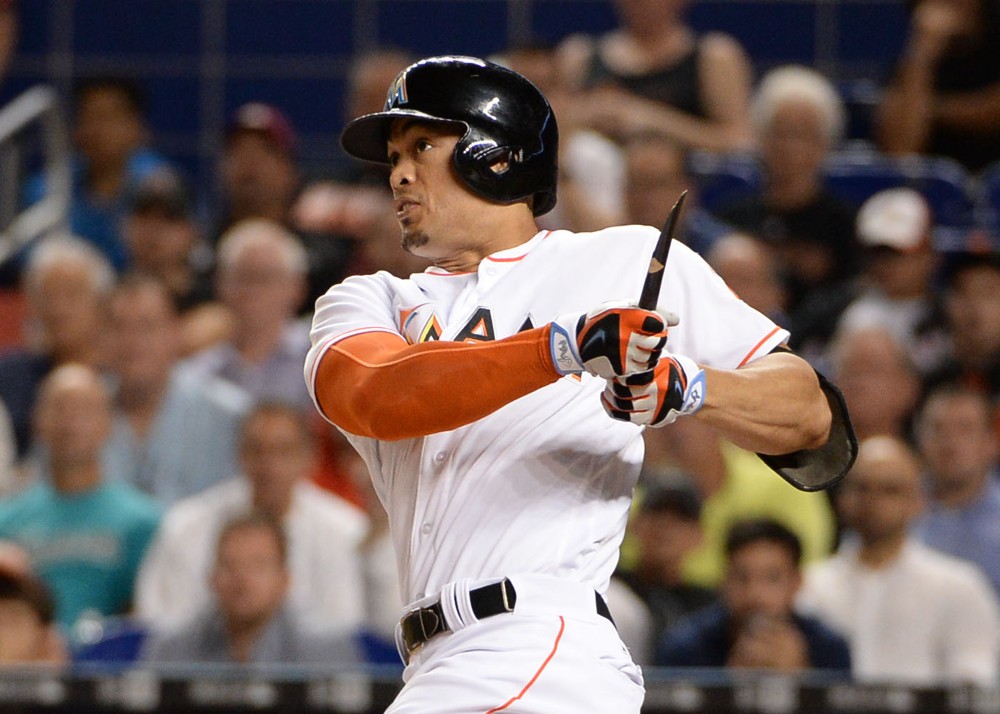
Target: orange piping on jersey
<point>442,273</point>
<point>374,384</point>
<point>757,346</point>
<point>515,258</point>
<point>555,646</point>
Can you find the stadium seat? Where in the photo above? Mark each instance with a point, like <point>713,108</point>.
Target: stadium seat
<point>722,178</point>
<point>987,200</point>
<point>109,640</point>
<point>861,98</point>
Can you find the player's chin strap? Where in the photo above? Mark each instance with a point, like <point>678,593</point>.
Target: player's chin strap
<point>818,469</point>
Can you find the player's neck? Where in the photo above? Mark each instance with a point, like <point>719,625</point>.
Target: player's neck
<point>490,238</point>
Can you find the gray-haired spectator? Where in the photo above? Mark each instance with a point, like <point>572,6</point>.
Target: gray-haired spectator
<point>67,282</point>
<point>250,619</point>
<point>798,119</point>
<point>261,280</point>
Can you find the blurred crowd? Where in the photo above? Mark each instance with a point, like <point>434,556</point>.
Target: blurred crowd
<point>169,493</point>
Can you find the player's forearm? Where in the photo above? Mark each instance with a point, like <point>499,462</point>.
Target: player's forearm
<point>376,385</point>
<point>772,406</point>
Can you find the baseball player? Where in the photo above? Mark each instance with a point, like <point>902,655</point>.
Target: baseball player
<point>499,397</point>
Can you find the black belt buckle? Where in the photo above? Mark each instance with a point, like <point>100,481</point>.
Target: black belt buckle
<point>421,624</point>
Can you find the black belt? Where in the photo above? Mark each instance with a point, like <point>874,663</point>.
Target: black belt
<point>419,625</point>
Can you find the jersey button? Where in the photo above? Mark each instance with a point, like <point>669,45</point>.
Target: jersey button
<point>440,457</point>
<point>425,528</point>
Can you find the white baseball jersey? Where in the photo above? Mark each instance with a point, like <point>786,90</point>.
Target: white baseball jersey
<point>542,485</point>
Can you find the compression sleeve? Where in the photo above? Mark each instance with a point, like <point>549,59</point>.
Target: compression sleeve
<point>375,385</point>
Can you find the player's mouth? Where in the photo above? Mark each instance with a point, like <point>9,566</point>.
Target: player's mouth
<point>405,208</point>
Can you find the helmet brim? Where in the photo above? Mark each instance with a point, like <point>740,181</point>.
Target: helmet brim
<point>365,137</point>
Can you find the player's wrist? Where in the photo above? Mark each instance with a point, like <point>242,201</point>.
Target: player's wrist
<point>563,350</point>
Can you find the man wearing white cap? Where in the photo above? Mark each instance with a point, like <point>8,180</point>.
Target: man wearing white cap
<point>895,228</point>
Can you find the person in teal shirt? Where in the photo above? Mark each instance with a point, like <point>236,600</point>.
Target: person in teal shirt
<point>85,536</point>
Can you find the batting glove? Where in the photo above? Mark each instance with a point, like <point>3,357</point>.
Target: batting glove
<point>613,340</point>
<point>676,387</point>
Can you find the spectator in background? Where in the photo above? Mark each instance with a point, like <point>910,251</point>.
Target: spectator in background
<point>260,179</point>
<point>173,433</point>
<point>750,267</point>
<point>112,155</point>
<point>67,283</point>
<point>28,633</point>
<point>324,532</point>
<point>656,173</point>
<point>164,242</point>
<point>261,280</point>
<point>911,614</point>
<point>798,119</point>
<point>958,446</point>
<point>972,313</point>
<point>878,380</point>
<point>258,174</point>
<point>943,97</point>
<point>664,530</point>
<point>655,74</point>
<point>895,289</point>
<point>85,534</point>
<point>755,626</point>
<point>250,620</point>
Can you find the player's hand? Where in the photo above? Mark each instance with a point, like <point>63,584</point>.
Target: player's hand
<point>675,387</point>
<point>613,340</point>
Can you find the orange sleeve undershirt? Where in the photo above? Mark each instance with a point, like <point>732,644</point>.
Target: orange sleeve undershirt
<point>376,385</point>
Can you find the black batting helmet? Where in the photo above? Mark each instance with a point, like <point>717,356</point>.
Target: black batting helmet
<point>506,119</point>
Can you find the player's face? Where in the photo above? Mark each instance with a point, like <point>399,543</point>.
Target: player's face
<point>434,208</point>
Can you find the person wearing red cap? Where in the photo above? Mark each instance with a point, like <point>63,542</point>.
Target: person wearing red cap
<point>257,171</point>
<point>259,178</point>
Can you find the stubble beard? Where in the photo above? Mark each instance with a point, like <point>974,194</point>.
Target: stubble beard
<point>413,239</point>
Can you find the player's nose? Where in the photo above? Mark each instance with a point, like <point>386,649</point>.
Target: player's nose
<point>401,174</point>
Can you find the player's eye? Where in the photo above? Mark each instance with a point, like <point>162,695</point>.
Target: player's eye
<point>393,158</point>
<point>423,145</point>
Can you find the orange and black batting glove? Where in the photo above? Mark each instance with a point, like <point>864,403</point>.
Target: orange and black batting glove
<point>613,340</point>
<point>675,387</point>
